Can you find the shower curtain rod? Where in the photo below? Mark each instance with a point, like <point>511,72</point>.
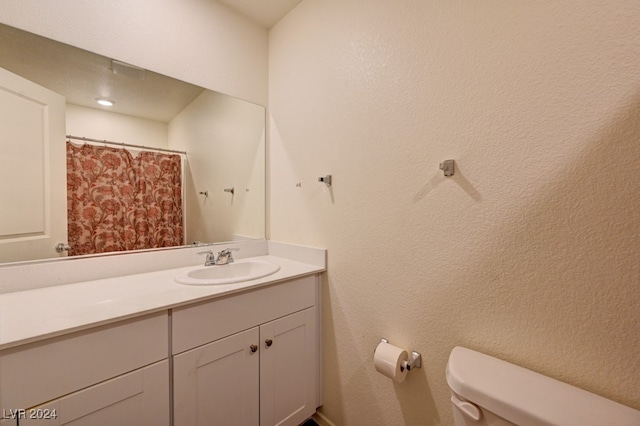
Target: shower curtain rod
<point>128,145</point>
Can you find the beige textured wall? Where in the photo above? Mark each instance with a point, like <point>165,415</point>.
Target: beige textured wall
<point>225,141</point>
<point>530,252</point>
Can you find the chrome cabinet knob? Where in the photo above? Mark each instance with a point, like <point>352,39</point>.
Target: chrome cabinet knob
<point>268,342</point>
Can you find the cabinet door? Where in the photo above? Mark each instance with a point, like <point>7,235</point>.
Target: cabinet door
<point>137,398</point>
<point>288,369</point>
<point>217,384</point>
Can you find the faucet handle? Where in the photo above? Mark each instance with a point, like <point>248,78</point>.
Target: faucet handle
<point>228,250</point>
<point>225,256</point>
<point>211,258</point>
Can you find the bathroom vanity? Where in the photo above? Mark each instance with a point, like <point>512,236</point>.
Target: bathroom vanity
<point>143,350</point>
<point>255,362</point>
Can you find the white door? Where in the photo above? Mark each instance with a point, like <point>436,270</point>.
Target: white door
<point>217,384</point>
<point>288,369</point>
<point>33,189</point>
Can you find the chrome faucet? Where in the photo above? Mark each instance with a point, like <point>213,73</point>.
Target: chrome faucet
<point>224,257</point>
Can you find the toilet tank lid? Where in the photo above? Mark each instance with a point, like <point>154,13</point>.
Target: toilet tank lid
<point>523,396</point>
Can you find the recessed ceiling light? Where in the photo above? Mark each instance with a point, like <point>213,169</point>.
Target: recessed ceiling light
<point>105,102</point>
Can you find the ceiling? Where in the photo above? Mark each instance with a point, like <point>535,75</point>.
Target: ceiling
<point>265,12</point>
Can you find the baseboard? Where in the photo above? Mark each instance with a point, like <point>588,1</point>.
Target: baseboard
<point>322,420</point>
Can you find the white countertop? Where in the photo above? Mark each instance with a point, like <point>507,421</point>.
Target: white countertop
<point>32,315</point>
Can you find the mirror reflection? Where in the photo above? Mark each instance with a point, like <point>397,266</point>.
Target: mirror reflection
<point>166,164</point>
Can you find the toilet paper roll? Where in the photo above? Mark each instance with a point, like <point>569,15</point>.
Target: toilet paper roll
<point>388,360</point>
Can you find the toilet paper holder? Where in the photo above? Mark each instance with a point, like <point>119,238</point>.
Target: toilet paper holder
<point>414,362</point>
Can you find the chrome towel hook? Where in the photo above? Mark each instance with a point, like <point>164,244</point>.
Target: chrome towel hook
<point>448,167</point>
<point>325,179</point>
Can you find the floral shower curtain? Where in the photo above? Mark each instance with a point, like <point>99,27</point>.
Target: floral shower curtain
<point>117,202</point>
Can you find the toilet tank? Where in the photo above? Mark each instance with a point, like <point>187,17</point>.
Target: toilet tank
<point>489,391</point>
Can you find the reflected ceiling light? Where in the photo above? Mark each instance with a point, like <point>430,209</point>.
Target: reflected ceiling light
<point>105,102</point>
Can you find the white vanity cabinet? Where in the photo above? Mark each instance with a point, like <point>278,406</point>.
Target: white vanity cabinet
<point>248,359</point>
<point>113,374</point>
<point>146,351</point>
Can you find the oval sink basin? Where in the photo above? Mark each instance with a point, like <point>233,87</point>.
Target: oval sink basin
<point>240,270</point>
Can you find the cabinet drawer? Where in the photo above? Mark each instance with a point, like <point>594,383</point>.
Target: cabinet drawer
<point>138,398</point>
<point>199,324</point>
<point>38,372</point>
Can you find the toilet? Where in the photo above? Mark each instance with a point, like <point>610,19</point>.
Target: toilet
<point>492,392</point>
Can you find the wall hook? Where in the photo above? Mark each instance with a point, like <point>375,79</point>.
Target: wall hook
<point>205,193</point>
<point>325,179</point>
<point>448,167</point>
<point>231,190</point>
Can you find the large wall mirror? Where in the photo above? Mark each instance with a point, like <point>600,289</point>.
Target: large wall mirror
<point>48,102</point>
